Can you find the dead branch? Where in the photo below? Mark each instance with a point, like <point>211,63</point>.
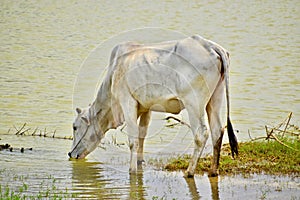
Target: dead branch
<point>288,121</point>
<point>296,128</point>
<point>18,131</point>
<point>283,122</point>
<point>176,119</point>
<point>271,135</point>
<point>280,142</point>
<point>53,136</point>
<point>35,130</point>
<point>288,132</point>
<point>25,132</point>
<point>271,132</point>
<point>249,135</point>
<point>257,138</point>
<point>45,132</point>
<point>172,125</point>
<point>268,133</point>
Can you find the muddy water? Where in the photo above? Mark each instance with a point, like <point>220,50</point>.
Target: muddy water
<point>43,46</point>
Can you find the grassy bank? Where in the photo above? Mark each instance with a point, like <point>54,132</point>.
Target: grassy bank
<point>269,157</point>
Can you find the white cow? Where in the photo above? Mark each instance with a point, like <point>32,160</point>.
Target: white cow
<point>168,77</point>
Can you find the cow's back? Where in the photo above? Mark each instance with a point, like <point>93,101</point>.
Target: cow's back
<point>156,74</point>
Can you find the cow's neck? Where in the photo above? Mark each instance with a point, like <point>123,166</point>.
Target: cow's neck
<point>102,106</point>
<point>105,120</point>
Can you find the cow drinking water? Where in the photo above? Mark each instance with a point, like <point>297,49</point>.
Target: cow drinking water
<point>191,74</point>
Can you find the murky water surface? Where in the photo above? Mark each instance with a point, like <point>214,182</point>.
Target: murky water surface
<point>47,168</point>
<point>42,48</point>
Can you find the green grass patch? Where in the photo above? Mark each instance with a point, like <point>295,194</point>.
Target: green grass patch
<point>11,192</point>
<point>269,157</point>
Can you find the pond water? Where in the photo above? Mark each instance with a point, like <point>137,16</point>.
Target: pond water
<point>47,49</point>
<point>45,168</point>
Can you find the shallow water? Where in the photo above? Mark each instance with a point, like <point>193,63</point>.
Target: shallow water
<point>46,49</point>
<point>45,169</point>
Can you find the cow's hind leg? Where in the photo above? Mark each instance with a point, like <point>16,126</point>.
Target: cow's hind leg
<point>143,127</point>
<point>213,112</point>
<point>199,129</point>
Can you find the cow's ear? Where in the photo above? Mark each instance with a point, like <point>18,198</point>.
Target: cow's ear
<point>78,110</point>
<point>86,120</point>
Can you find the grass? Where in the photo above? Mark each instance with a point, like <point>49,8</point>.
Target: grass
<point>8,192</point>
<point>267,157</point>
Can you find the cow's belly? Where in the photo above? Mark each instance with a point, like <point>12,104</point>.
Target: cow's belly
<point>158,98</point>
<point>170,106</point>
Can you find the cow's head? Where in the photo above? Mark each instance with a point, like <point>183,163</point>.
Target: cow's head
<point>86,133</point>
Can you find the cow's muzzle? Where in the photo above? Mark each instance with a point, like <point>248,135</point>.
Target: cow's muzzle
<point>70,155</point>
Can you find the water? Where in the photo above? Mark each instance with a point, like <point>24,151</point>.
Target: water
<point>45,168</point>
<point>43,46</point>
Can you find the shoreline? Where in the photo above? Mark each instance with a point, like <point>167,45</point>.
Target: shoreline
<point>255,157</point>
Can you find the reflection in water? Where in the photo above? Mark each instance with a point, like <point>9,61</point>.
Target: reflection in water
<point>214,185</point>
<point>192,188</point>
<point>194,193</point>
<point>88,183</point>
<point>137,190</point>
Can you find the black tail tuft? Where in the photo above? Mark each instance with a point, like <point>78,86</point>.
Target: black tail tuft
<point>232,139</point>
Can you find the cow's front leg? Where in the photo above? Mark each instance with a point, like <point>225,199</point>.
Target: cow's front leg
<point>129,108</point>
<point>133,145</point>
<point>133,131</point>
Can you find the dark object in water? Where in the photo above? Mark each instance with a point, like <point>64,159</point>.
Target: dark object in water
<point>10,148</point>
<point>4,146</point>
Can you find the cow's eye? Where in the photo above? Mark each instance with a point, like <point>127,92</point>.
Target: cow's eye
<point>74,128</point>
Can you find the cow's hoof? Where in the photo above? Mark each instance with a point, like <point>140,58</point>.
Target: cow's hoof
<point>140,162</point>
<point>140,165</point>
<point>188,174</point>
<point>132,171</point>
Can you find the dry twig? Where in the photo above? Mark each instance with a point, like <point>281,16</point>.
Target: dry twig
<point>271,133</point>
<point>18,131</point>
<point>22,131</point>
<point>288,121</point>
<point>176,119</point>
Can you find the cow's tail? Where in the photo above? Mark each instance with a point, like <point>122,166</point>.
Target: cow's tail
<point>225,65</point>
